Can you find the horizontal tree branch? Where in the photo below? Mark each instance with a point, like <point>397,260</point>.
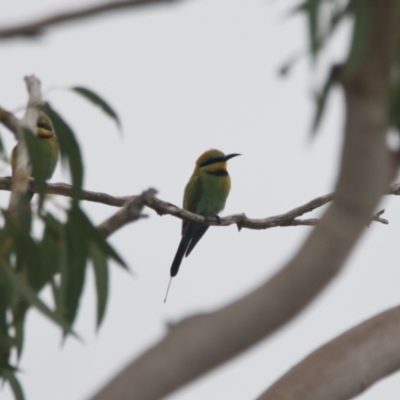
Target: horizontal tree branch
<point>35,28</point>
<point>63,189</point>
<point>130,212</point>
<point>346,366</point>
<point>162,207</point>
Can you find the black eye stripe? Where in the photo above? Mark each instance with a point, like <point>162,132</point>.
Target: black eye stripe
<point>211,161</point>
<point>220,172</point>
<point>44,126</point>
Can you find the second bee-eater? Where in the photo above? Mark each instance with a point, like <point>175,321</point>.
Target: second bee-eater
<point>48,145</point>
<point>205,194</point>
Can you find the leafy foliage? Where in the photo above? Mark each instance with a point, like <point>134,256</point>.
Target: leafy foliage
<point>69,148</point>
<point>58,258</point>
<point>324,17</point>
<point>98,101</point>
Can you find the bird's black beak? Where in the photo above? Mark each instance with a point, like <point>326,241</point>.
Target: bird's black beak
<point>229,156</point>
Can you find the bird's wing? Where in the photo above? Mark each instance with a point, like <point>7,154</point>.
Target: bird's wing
<point>200,231</point>
<point>191,197</point>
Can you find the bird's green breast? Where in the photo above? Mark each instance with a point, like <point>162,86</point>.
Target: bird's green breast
<point>214,192</point>
<point>49,151</point>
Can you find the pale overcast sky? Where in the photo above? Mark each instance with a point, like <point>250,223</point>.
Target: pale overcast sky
<point>185,78</point>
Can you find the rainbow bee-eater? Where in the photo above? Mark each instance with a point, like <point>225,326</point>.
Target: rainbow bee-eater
<point>205,194</point>
<point>48,144</point>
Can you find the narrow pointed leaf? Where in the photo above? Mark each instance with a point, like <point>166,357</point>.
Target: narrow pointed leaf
<point>311,8</point>
<point>30,296</point>
<point>36,160</point>
<point>19,327</point>
<point>14,383</point>
<point>69,148</point>
<point>101,275</point>
<point>96,236</point>
<point>363,17</point>
<point>77,251</point>
<point>98,101</point>
<point>5,305</point>
<point>323,96</point>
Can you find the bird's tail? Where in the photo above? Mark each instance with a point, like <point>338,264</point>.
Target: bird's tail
<point>183,245</point>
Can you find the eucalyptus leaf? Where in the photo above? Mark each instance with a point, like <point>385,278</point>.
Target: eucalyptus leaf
<point>36,157</point>
<point>19,335</point>
<point>69,148</point>
<point>5,305</point>
<point>16,387</point>
<point>92,232</point>
<point>311,8</point>
<point>98,101</point>
<point>323,96</point>
<point>100,267</point>
<point>362,12</point>
<point>77,252</point>
<point>30,296</point>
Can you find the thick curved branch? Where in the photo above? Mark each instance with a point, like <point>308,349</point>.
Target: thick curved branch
<point>201,342</point>
<point>35,28</point>
<point>346,366</point>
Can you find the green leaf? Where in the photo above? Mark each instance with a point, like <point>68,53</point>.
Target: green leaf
<point>322,98</point>
<point>19,334</point>
<point>394,95</point>
<point>25,248</point>
<point>312,9</point>
<point>98,101</point>
<point>331,19</point>
<point>363,17</point>
<point>36,156</point>
<point>57,296</point>
<point>22,219</point>
<point>101,275</point>
<point>30,296</point>
<point>51,249</point>
<point>69,148</point>
<point>5,305</point>
<point>91,231</point>
<point>16,387</point>
<point>60,291</point>
<point>77,253</point>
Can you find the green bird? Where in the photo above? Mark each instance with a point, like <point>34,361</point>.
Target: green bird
<point>48,145</point>
<point>205,194</point>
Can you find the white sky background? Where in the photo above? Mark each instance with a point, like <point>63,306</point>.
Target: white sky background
<point>185,78</point>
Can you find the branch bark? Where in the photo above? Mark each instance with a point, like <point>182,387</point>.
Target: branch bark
<point>201,342</point>
<point>9,121</point>
<point>346,366</point>
<point>36,28</point>
<point>130,212</point>
<point>162,207</point>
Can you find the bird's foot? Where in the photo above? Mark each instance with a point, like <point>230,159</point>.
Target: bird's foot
<point>218,219</point>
